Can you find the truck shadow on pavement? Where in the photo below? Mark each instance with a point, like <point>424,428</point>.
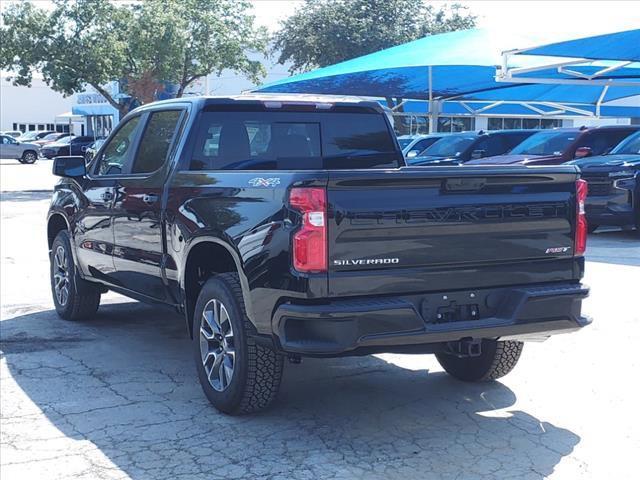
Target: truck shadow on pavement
<point>25,195</point>
<point>125,385</point>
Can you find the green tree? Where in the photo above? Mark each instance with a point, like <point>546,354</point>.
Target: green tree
<point>142,45</point>
<point>324,32</point>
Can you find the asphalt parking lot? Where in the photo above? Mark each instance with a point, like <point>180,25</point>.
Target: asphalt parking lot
<point>118,397</point>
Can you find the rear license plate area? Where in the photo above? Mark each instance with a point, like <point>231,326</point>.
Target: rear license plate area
<point>455,312</point>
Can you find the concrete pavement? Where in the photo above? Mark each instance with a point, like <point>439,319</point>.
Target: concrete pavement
<point>117,397</point>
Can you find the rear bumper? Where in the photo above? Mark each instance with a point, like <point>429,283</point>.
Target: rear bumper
<point>527,313</point>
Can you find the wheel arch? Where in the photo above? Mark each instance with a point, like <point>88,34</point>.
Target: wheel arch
<point>205,257</point>
<point>55,224</point>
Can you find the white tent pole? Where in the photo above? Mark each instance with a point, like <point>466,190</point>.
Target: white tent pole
<point>600,99</point>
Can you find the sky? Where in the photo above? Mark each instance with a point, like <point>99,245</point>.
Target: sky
<point>551,19</point>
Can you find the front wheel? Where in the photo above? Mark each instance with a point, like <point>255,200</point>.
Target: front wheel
<point>29,157</point>
<point>237,375</point>
<point>495,360</point>
<point>73,297</point>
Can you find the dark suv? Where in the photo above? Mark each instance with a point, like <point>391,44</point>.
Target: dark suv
<point>560,145</point>
<point>459,148</point>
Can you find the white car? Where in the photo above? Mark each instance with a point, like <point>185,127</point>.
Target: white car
<point>412,145</point>
<point>12,133</point>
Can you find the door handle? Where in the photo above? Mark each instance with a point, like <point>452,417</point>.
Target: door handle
<point>106,196</point>
<point>149,198</point>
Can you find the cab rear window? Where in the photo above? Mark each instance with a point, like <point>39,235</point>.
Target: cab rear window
<point>293,141</point>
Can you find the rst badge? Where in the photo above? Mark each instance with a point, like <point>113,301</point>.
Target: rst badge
<point>557,250</point>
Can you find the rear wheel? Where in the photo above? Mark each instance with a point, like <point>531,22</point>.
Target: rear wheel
<point>237,375</point>
<point>73,297</point>
<point>29,157</point>
<point>495,360</point>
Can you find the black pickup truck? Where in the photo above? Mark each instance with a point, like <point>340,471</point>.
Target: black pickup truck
<point>290,227</point>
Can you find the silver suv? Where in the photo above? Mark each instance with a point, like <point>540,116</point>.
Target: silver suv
<point>12,148</point>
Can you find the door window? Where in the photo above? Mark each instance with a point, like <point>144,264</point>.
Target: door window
<point>491,146</point>
<point>601,141</point>
<point>118,149</point>
<point>156,141</point>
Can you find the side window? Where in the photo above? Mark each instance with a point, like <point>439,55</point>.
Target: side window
<point>5,140</point>
<point>491,146</point>
<point>601,141</point>
<point>118,149</point>
<point>156,141</point>
<point>515,139</point>
<point>422,144</point>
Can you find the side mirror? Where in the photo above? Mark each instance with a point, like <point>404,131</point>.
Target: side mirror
<point>478,154</point>
<point>72,167</point>
<point>582,152</point>
<point>412,153</point>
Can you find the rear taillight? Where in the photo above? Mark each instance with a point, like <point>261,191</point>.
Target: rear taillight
<point>310,241</point>
<point>581,217</point>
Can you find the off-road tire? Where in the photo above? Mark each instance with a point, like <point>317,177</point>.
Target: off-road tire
<point>496,360</point>
<point>257,368</point>
<point>83,297</point>
<point>29,157</point>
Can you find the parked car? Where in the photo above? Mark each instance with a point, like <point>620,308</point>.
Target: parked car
<point>614,187</point>
<point>12,148</point>
<point>458,148</point>
<point>560,145</point>
<point>91,149</point>
<point>34,135</point>
<point>12,133</point>
<point>418,143</point>
<point>52,137</point>
<point>70,145</point>
<point>281,229</point>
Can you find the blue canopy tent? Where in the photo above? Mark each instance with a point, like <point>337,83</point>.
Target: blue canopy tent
<point>623,46</point>
<point>610,60</point>
<point>456,66</point>
<point>519,109</point>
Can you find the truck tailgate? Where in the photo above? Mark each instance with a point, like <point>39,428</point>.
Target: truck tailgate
<point>440,228</point>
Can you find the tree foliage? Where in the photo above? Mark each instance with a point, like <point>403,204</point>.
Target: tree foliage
<point>142,45</point>
<point>324,32</point>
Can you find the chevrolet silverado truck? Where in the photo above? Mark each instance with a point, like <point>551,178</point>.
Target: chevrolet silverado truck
<point>284,227</point>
